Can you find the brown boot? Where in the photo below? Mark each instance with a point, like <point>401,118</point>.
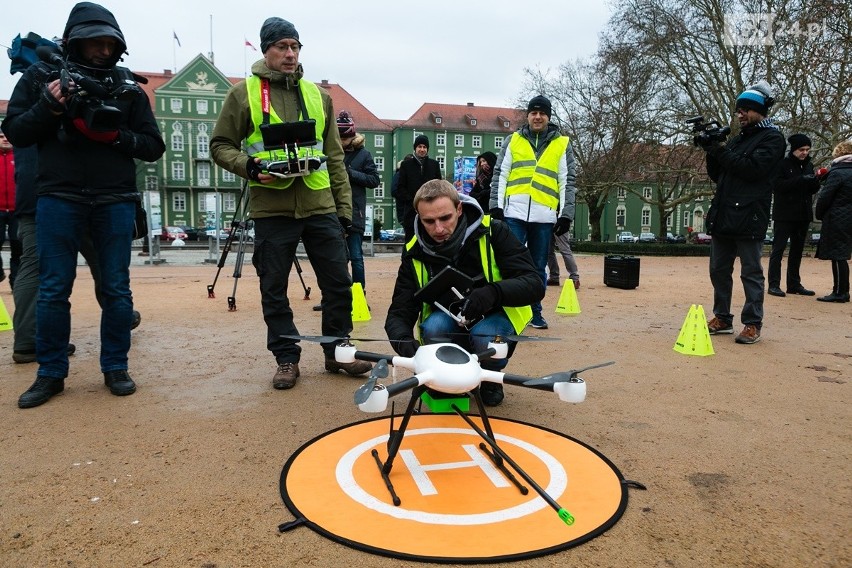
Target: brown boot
<point>354,368</point>
<point>286,376</point>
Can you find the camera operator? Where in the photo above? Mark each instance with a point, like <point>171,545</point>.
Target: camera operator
<point>87,144</point>
<point>744,170</point>
<point>316,208</point>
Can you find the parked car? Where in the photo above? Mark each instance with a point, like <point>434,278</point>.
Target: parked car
<point>671,238</point>
<point>625,237</point>
<point>172,233</point>
<point>192,233</point>
<point>394,236</point>
<point>703,238</point>
<point>647,238</point>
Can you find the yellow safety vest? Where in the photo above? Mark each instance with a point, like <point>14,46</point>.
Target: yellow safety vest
<point>316,180</point>
<point>519,316</point>
<point>537,178</point>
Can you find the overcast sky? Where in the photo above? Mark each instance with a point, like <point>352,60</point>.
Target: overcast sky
<point>392,55</point>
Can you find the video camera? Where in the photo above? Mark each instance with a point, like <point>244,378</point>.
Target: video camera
<point>705,133</point>
<point>291,137</point>
<point>86,95</point>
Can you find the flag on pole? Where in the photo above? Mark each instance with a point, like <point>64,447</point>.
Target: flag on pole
<point>176,38</point>
<point>248,44</point>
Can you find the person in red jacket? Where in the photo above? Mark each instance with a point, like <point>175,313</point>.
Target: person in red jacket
<point>7,209</point>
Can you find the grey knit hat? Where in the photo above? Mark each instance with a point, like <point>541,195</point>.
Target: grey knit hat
<point>274,29</point>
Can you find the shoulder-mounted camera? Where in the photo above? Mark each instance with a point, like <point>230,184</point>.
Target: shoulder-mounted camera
<point>705,133</point>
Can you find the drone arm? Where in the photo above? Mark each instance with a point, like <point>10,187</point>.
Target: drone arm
<point>402,386</point>
<point>520,381</point>
<point>372,357</point>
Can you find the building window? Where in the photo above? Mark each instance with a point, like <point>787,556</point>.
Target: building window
<point>201,106</point>
<point>203,173</point>
<point>498,142</point>
<point>229,202</point>
<point>379,213</point>
<point>646,192</point>
<point>202,142</point>
<point>379,141</point>
<point>646,216</point>
<point>669,222</point>
<point>380,163</point>
<point>202,201</point>
<point>687,217</point>
<point>459,140</point>
<point>178,201</point>
<point>620,216</point>
<point>151,183</point>
<point>178,172</point>
<point>622,193</point>
<point>473,122</point>
<point>440,139</point>
<point>476,141</point>
<point>177,142</point>
<point>438,120</point>
<point>177,105</point>
<point>379,192</point>
<point>441,162</point>
<point>228,176</point>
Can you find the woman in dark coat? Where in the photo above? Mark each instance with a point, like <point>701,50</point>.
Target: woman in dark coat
<point>834,208</point>
<point>481,190</point>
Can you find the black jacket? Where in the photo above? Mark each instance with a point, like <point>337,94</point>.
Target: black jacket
<point>362,175</point>
<point>834,208</point>
<point>412,174</point>
<point>794,190</point>
<point>71,165</point>
<point>744,171</point>
<point>520,286</point>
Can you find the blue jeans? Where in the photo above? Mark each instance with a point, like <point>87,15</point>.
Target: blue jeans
<point>537,237</point>
<point>440,325</point>
<point>356,257</point>
<point>60,224</point>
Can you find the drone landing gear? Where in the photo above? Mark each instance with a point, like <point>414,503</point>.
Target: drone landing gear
<point>489,447</point>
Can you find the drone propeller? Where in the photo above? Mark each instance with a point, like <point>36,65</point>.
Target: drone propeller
<point>512,337</point>
<point>380,371</point>
<point>563,376</point>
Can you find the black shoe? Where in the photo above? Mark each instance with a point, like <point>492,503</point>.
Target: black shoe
<point>40,392</point>
<point>119,383</point>
<point>491,393</point>
<point>833,297</point>
<point>776,291</point>
<point>317,308</point>
<point>137,319</point>
<point>801,291</point>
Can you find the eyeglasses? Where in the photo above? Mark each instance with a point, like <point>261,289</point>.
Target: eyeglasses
<point>284,46</point>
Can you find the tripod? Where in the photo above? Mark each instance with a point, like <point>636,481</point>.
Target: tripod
<point>239,225</point>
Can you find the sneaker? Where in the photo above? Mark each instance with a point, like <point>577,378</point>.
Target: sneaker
<point>317,308</point>
<point>137,319</point>
<point>491,393</point>
<point>40,392</point>
<point>750,334</point>
<point>538,322</point>
<point>354,368</point>
<point>286,376</point>
<point>576,283</point>
<point>553,281</point>
<point>776,291</point>
<point>143,253</point>
<point>29,356</point>
<point>119,382</point>
<point>801,291</point>
<point>717,327</point>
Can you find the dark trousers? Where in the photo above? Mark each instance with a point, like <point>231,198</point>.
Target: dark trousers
<point>276,239</point>
<point>840,274</point>
<point>796,231</point>
<point>8,220</point>
<point>723,252</point>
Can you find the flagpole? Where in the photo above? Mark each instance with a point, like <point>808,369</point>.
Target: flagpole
<point>174,52</point>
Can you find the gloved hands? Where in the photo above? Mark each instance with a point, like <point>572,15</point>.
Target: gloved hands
<point>563,225</point>
<point>496,213</point>
<point>253,169</point>
<point>821,173</point>
<point>480,302</point>
<point>106,136</point>
<point>346,224</point>
<point>405,347</point>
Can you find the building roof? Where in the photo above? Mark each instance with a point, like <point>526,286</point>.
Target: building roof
<point>363,118</point>
<point>465,117</point>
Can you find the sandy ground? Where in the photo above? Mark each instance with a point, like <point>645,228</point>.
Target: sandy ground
<point>745,454</point>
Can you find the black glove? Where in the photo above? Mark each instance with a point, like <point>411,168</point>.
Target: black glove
<point>346,224</point>
<point>253,169</point>
<point>496,213</point>
<point>563,225</point>
<point>480,302</point>
<point>406,347</point>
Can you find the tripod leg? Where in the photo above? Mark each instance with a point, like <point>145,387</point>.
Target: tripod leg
<point>238,269</point>
<point>227,246</point>
<point>307,289</point>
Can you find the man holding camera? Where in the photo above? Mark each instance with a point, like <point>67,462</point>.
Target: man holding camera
<point>86,182</point>
<point>313,203</point>
<point>744,170</point>
<point>451,231</point>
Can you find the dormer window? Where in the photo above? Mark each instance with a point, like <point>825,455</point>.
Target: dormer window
<point>436,118</point>
<point>504,121</point>
<point>470,120</point>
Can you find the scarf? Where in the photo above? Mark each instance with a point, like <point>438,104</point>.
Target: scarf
<point>449,249</point>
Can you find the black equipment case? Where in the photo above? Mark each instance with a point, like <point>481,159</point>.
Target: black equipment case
<point>621,271</point>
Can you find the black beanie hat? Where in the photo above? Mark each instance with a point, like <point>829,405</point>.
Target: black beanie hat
<point>798,140</point>
<point>274,29</point>
<point>421,139</point>
<point>540,103</point>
